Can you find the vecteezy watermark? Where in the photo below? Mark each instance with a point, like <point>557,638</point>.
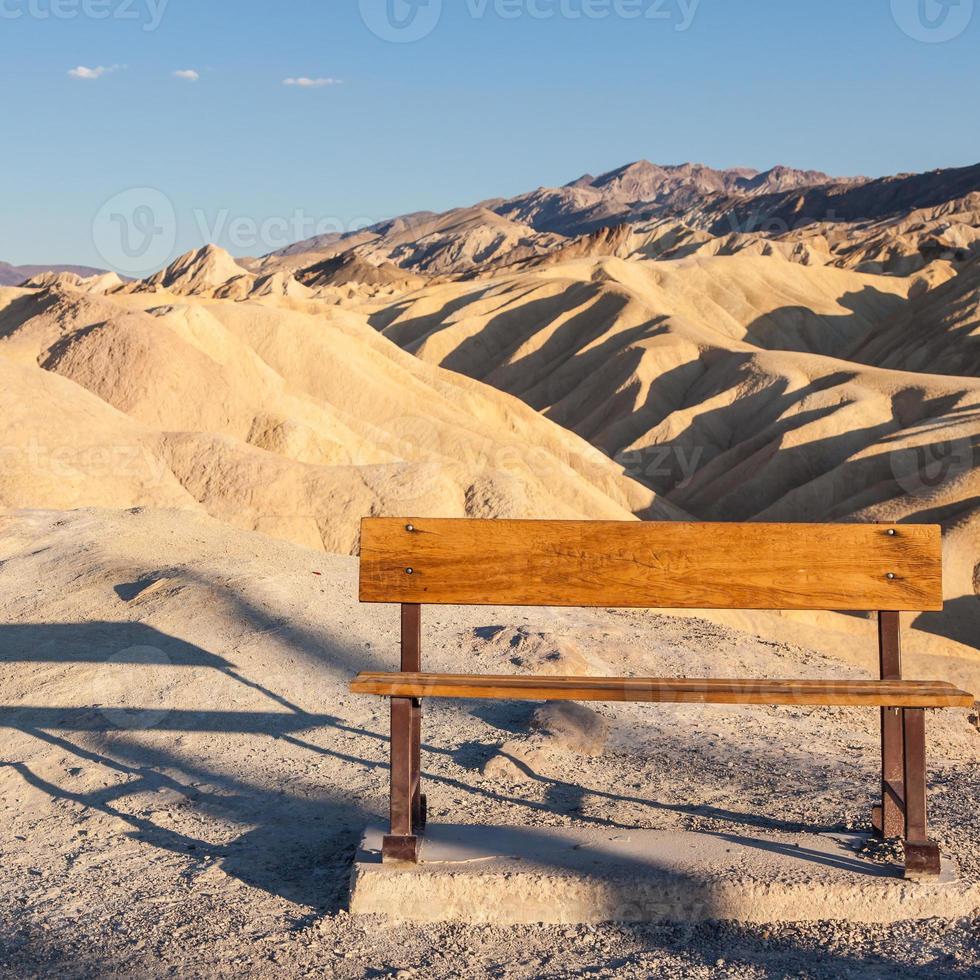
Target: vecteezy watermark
<point>662,467</point>
<point>932,21</point>
<point>147,13</point>
<point>401,21</point>
<point>771,226</point>
<point>680,13</point>
<point>113,684</point>
<point>921,470</point>
<point>271,233</point>
<point>135,231</point>
<point>404,21</point>
<point>132,461</point>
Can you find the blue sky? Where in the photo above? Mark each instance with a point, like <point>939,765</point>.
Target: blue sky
<point>498,97</point>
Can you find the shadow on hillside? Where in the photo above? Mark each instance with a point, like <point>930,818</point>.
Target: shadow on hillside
<point>798,328</point>
<point>949,514</point>
<point>959,620</point>
<point>608,366</point>
<point>737,442</point>
<point>757,472</point>
<point>17,312</point>
<point>919,475</point>
<point>505,332</point>
<point>411,331</point>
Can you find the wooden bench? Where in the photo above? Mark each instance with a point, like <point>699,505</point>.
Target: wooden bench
<point>884,568</point>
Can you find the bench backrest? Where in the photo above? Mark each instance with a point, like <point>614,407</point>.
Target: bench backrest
<point>646,564</point>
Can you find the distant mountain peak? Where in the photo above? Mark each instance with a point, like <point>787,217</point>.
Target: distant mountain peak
<point>201,271</point>
<point>14,275</point>
<point>695,196</point>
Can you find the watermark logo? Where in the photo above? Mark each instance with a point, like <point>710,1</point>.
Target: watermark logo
<point>662,467</point>
<point>412,20</point>
<point>932,21</point>
<point>680,13</point>
<point>921,470</point>
<point>125,461</point>
<point>114,682</point>
<point>401,21</point>
<point>147,13</point>
<point>419,479</point>
<point>771,225</point>
<point>135,231</point>
<point>272,233</point>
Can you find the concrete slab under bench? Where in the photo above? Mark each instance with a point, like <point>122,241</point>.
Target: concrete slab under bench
<point>502,875</point>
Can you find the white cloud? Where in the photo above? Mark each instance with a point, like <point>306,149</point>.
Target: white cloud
<point>92,73</point>
<point>304,82</point>
<point>187,74</point>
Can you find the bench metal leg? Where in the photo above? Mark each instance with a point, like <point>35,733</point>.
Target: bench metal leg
<point>921,854</point>
<point>407,801</point>
<point>418,797</point>
<point>888,819</point>
<point>401,844</point>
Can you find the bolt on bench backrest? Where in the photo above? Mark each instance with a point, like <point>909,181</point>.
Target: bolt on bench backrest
<point>647,564</point>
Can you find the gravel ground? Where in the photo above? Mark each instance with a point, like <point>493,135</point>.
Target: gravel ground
<point>211,832</point>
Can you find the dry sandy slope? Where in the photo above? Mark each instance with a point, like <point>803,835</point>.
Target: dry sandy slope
<point>295,424</point>
<point>722,384</point>
<point>939,332</point>
<point>216,824</point>
<point>717,383</point>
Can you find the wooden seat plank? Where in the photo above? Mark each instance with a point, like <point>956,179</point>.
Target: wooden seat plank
<point>893,693</point>
<point>651,564</point>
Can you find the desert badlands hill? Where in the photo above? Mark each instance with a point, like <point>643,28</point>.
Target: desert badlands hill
<point>620,374</point>
<point>291,420</point>
<point>742,387</point>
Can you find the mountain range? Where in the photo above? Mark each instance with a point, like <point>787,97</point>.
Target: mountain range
<point>902,217</point>
<point>14,275</point>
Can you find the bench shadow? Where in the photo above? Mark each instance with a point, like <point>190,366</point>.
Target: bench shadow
<point>291,831</point>
<point>562,790</point>
<point>464,843</point>
<point>298,845</point>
